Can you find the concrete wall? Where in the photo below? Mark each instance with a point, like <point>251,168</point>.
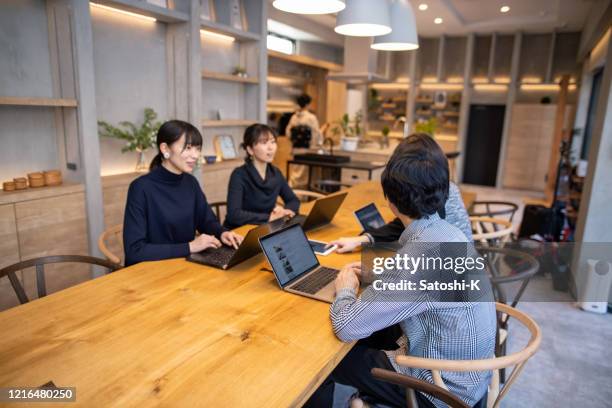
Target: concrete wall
<point>27,134</point>
<point>131,74</point>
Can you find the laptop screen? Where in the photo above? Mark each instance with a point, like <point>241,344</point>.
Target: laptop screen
<point>369,217</point>
<point>289,253</point>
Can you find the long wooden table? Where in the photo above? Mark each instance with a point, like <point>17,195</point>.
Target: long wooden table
<point>174,333</point>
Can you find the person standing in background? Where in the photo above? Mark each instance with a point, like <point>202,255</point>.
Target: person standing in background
<point>303,129</point>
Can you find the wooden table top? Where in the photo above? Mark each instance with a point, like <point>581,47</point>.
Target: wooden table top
<point>182,334</point>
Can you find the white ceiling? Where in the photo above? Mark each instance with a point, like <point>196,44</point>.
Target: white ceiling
<point>464,16</point>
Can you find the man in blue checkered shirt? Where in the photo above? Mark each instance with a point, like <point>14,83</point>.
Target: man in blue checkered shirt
<point>415,183</point>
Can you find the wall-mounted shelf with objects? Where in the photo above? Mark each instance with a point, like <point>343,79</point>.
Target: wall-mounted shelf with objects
<point>53,102</point>
<point>229,77</point>
<point>143,8</point>
<point>226,30</point>
<point>227,123</point>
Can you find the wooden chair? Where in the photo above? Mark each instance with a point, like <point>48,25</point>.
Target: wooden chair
<point>217,207</point>
<point>439,390</point>
<point>106,239</point>
<point>494,209</point>
<point>40,263</point>
<point>488,230</point>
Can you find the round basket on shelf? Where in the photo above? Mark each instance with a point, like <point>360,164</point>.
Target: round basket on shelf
<point>8,186</point>
<point>21,183</point>
<point>53,177</point>
<point>36,179</point>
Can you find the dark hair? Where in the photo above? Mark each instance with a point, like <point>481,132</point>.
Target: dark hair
<point>303,100</point>
<point>253,135</point>
<point>170,132</point>
<point>415,179</point>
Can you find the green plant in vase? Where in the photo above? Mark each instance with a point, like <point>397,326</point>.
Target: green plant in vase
<point>137,139</point>
<point>384,141</point>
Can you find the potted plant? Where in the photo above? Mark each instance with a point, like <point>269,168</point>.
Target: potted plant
<point>352,134</point>
<point>426,126</point>
<point>384,141</point>
<point>240,71</point>
<point>137,139</point>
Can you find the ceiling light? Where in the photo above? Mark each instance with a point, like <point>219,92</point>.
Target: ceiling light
<point>309,6</point>
<point>504,9</point>
<point>360,19</point>
<point>423,6</point>
<point>127,13</point>
<point>403,36</point>
<point>217,36</point>
<point>438,20</point>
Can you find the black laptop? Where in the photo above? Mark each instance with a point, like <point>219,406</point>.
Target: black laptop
<point>225,257</point>
<point>322,213</point>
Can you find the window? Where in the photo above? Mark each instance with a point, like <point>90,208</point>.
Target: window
<point>280,44</point>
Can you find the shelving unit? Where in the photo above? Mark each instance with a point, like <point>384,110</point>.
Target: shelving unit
<point>229,77</point>
<point>165,15</point>
<point>27,101</point>
<point>225,29</point>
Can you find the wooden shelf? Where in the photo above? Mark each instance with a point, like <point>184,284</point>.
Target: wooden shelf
<point>228,30</point>
<point>229,77</point>
<point>227,123</point>
<point>55,102</point>
<point>146,9</point>
<point>304,60</point>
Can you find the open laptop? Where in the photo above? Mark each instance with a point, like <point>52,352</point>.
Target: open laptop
<point>226,256</point>
<point>322,213</point>
<point>369,217</point>
<point>295,266</point>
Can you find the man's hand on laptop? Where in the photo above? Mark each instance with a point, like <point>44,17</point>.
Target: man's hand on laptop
<point>348,244</point>
<point>348,277</point>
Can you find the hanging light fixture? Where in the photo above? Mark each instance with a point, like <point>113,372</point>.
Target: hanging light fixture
<point>309,6</point>
<point>364,18</point>
<point>403,36</point>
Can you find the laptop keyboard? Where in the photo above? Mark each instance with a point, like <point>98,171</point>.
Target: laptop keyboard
<point>220,256</point>
<point>316,281</point>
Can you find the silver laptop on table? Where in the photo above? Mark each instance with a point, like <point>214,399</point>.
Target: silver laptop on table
<point>295,265</point>
<point>322,213</point>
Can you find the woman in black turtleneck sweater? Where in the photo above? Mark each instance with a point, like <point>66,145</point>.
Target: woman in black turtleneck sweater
<point>166,207</point>
<point>255,186</point>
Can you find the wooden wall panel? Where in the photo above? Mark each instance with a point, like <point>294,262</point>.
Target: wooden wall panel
<point>9,253</point>
<point>53,226</point>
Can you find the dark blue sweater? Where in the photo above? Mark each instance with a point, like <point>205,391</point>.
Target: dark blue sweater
<point>250,200</point>
<point>162,214</point>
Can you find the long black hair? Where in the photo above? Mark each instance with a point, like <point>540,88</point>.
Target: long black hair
<point>253,135</point>
<point>170,132</point>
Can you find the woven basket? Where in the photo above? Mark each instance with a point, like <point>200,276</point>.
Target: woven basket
<point>36,179</point>
<point>21,183</point>
<point>53,177</point>
<point>8,186</point>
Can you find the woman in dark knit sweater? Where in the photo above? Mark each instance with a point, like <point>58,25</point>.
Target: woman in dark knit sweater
<point>255,186</point>
<point>166,207</point>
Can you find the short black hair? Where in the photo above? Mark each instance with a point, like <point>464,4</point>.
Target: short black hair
<point>415,179</point>
<point>170,132</point>
<point>304,100</point>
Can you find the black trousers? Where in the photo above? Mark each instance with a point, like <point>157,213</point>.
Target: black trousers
<point>354,370</point>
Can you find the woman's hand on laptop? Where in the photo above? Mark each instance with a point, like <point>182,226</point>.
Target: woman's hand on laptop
<point>348,244</point>
<point>230,238</point>
<point>202,242</point>
<point>280,212</point>
<point>348,277</point>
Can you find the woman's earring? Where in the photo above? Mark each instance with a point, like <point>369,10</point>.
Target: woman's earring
<point>166,155</point>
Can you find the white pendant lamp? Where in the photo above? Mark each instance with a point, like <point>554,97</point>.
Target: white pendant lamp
<point>403,36</point>
<point>309,6</point>
<point>364,18</point>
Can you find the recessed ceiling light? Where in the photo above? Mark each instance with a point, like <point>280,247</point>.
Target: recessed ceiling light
<point>504,9</point>
<point>423,6</point>
<point>438,20</point>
